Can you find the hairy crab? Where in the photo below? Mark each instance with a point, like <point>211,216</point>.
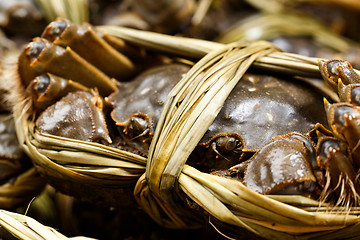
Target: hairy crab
<point>269,133</point>
<point>320,163</point>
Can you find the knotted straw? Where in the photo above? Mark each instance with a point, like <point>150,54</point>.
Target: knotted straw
<point>83,168</point>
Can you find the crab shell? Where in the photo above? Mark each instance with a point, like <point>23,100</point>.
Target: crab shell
<point>258,109</point>
<point>137,104</point>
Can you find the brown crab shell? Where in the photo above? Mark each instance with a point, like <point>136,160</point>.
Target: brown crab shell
<point>259,108</point>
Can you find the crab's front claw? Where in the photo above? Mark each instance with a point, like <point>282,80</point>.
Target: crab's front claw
<point>284,166</point>
<point>41,56</point>
<point>334,157</point>
<point>344,120</point>
<point>87,43</point>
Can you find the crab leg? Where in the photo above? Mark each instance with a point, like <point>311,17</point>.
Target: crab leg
<point>344,118</point>
<point>88,44</point>
<point>333,156</point>
<point>42,56</point>
<point>335,70</point>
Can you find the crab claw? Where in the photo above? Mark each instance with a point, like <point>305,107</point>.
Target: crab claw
<point>333,156</point>
<point>42,56</point>
<point>283,166</point>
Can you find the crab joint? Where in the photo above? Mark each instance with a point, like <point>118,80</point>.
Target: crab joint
<point>349,93</point>
<point>333,156</point>
<point>344,120</point>
<point>334,70</point>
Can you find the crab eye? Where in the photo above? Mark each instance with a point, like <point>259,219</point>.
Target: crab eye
<point>355,96</point>
<point>226,143</point>
<point>56,28</point>
<point>340,114</point>
<point>42,83</point>
<point>231,143</point>
<point>34,49</point>
<point>137,126</point>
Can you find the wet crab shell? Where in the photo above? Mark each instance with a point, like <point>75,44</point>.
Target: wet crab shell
<point>146,93</point>
<point>262,106</point>
<point>137,104</point>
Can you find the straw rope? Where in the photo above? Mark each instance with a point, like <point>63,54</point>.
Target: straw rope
<point>26,228</point>
<point>187,114</point>
<point>75,10</point>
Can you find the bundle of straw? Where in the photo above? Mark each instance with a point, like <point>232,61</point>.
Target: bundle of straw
<point>23,227</point>
<point>75,10</point>
<point>162,182</point>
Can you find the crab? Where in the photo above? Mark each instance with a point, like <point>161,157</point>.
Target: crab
<point>330,171</point>
<point>271,132</point>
